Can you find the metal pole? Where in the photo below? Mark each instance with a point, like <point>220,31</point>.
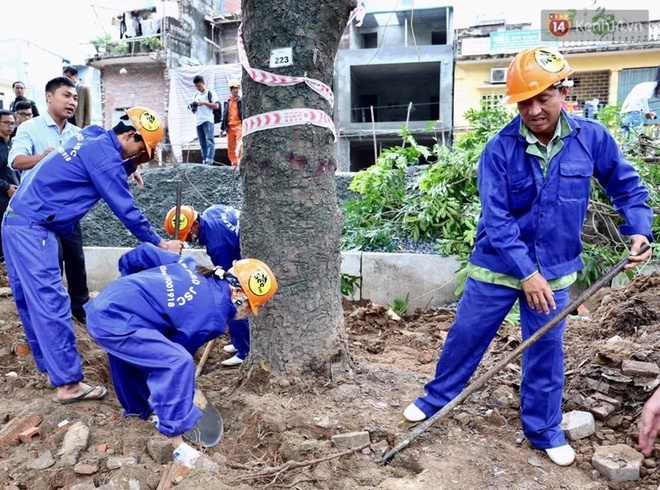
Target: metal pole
<point>177,214</point>
<point>373,131</point>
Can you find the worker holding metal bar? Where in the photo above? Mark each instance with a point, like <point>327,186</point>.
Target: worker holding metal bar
<point>534,180</point>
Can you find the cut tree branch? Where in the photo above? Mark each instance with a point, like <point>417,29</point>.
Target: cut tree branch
<point>292,465</point>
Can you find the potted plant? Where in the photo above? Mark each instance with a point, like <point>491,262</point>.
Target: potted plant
<point>100,43</point>
<point>151,44</point>
<point>121,48</point>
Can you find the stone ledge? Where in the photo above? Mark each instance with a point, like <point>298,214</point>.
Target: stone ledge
<point>427,280</point>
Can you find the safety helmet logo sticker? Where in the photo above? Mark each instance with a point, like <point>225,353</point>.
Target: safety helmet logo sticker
<point>259,283</point>
<point>149,122</point>
<point>550,61</point>
<point>183,221</point>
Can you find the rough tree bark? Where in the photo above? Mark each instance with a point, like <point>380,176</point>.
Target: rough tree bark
<point>290,216</point>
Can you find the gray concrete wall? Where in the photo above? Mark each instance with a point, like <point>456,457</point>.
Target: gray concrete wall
<point>425,280</point>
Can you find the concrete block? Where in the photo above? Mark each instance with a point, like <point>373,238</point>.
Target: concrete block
<point>424,279</point>
<point>618,463</point>
<point>350,440</point>
<point>577,425</point>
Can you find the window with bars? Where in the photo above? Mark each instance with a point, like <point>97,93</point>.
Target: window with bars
<point>491,101</point>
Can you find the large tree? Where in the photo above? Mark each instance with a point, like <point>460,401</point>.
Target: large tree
<point>290,216</point>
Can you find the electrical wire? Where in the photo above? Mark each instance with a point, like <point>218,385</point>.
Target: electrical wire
<point>412,30</point>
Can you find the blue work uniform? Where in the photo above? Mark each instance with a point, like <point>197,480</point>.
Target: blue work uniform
<point>33,137</point>
<point>52,199</point>
<point>219,232</point>
<point>151,323</point>
<point>531,220</point>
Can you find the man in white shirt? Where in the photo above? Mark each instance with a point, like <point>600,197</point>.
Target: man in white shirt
<point>636,104</point>
<point>203,105</point>
<point>34,140</point>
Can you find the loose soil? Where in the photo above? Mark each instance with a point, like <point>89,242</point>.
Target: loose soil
<point>479,446</point>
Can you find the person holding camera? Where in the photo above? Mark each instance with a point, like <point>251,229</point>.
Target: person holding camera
<point>636,104</point>
<point>203,105</point>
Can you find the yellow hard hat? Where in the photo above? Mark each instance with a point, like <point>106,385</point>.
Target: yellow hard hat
<point>234,84</point>
<point>256,280</point>
<point>147,125</point>
<point>187,218</point>
<point>532,71</point>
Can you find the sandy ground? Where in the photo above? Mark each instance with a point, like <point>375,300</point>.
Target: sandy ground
<point>479,446</point>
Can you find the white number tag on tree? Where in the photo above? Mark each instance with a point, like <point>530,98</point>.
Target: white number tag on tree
<point>280,57</point>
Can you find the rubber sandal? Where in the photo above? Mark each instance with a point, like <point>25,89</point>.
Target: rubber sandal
<point>83,397</point>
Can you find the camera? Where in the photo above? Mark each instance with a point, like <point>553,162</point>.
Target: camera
<point>192,107</point>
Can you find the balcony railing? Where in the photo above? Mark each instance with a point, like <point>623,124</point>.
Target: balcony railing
<point>133,46</point>
<point>425,111</point>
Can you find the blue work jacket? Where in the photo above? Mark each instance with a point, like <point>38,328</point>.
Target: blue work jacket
<point>532,222</point>
<point>71,179</point>
<point>219,233</point>
<point>172,298</point>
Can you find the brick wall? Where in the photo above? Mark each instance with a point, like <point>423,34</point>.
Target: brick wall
<point>144,85</point>
<point>590,85</point>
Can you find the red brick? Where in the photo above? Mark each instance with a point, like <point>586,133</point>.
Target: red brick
<point>12,431</point>
<point>30,435</point>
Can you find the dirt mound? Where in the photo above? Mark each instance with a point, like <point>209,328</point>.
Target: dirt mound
<point>282,438</point>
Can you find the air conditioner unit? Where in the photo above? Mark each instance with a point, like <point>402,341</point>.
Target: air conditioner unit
<point>498,75</point>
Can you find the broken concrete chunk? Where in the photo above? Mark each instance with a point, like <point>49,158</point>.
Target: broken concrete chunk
<point>596,385</point>
<point>45,460</point>
<point>75,439</point>
<point>86,467</point>
<point>577,425</point>
<point>350,440</point>
<point>618,463</point>
<point>86,485</point>
<point>160,450</point>
<point>612,401</point>
<point>638,368</point>
<point>504,396</point>
<point>119,462</point>
<point>600,409</point>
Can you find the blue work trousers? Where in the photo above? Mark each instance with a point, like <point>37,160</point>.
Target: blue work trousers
<point>150,373</point>
<point>32,260</point>
<point>480,313</point>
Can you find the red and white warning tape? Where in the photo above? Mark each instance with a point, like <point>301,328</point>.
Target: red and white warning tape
<point>289,117</point>
<point>273,80</point>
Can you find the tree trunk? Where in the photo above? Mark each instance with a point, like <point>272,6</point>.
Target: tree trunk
<point>290,217</point>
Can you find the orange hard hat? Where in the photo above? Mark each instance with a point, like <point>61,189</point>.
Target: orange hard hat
<point>187,218</point>
<point>147,125</point>
<point>256,280</point>
<point>532,71</point>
